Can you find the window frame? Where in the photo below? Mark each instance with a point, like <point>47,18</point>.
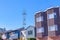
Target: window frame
<point>40,30</point>
<point>52,15</point>
<point>39,19</point>
<point>30,32</point>
<point>53,28</point>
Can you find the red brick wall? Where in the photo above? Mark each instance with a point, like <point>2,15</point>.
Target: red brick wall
<point>44,38</point>
<point>54,38</point>
<point>49,38</point>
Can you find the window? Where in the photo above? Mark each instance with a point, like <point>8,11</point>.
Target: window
<point>40,30</point>
<point>53,15</point>
<point>39,19</point>
<point>30,32</point>
<point>53,28</point>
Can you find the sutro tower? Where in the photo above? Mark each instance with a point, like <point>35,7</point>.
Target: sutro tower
<point>24,18</point>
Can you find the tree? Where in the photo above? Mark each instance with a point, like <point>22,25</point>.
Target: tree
<point>0,38</point>
<point>31,39</point>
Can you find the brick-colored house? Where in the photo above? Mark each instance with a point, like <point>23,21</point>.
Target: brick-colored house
<point>47,24</point>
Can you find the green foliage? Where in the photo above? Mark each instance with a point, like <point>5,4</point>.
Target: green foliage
<point>31,39</point>
<point>0,38</point>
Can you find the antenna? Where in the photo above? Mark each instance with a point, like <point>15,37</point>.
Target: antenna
<point>24,18</point>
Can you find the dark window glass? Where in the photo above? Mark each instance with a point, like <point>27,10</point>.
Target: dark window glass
<point>55,16</point>
<point>30,32</point>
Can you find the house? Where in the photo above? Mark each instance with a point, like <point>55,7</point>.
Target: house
<point>14,34</point>
<point>30,33</point>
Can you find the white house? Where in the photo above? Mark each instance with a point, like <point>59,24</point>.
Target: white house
<point>30,32</point>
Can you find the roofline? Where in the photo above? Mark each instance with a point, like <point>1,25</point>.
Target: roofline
<point>14,30</point>
<point>52,7</point>
<point>47,9</point>
<point>29,26</point>
<point>38,12</point>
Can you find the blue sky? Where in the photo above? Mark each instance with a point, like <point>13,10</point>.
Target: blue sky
<point>11,11</point>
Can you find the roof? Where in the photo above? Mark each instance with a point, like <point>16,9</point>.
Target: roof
<point>29,27</point>
<point>46,10</point>
<point>52,8</point>
<point>15,30</point>
<point>39,12</point>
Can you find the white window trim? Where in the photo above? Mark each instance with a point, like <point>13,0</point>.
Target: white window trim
<point>50,16</point>
<point>38,19</point>
<point>40,30</point>
<point>53,28</point>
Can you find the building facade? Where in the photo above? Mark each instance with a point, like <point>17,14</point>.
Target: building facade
<point>30,33</point>
<point>14,34</point>
<point>53,22</point>
<point>41,25</point>
<point>47,24</point>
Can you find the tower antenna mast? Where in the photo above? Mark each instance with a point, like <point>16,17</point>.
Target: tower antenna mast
<point>24,18</point>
